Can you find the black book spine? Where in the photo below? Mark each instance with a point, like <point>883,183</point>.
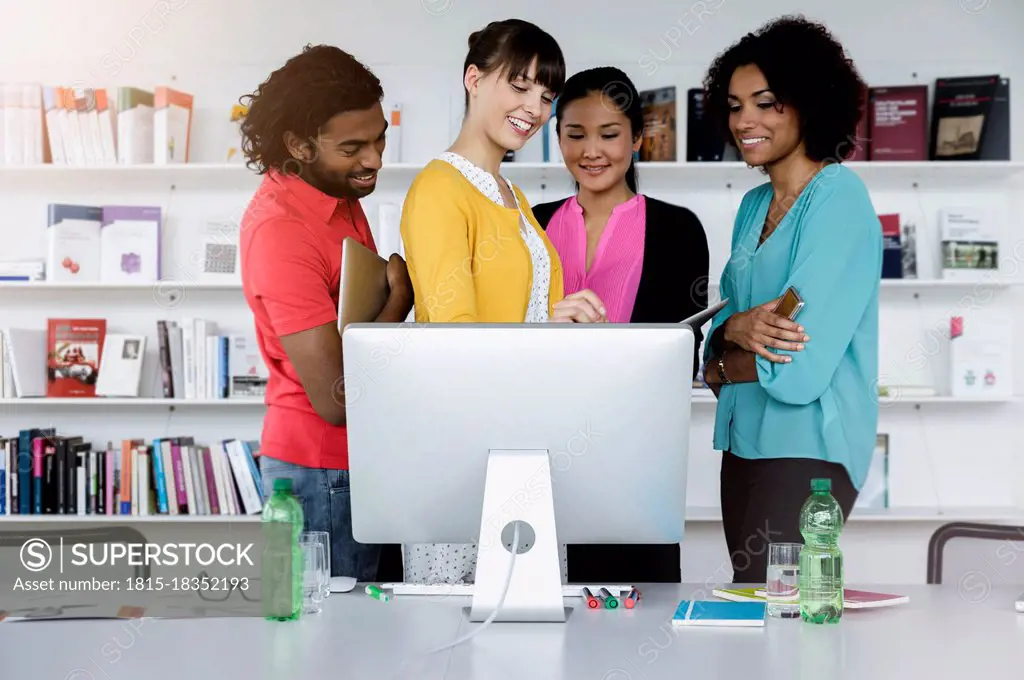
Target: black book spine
<point>49,494</point>
<point>15,480</point>
<point>165,359</point>
<point>101,482</point>
<point>61,473</point>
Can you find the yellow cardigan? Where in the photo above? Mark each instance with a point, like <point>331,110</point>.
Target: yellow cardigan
<point>466,257</point>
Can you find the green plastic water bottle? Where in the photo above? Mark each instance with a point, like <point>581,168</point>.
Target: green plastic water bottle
<point>281,568</point>
<point>821,560</point>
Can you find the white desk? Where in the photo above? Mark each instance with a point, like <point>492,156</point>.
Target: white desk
<point>939,634</point>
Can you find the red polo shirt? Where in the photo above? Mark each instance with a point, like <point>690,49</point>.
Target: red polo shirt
<point>291,263</point>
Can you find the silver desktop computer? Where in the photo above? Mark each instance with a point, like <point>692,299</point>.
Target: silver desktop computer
<point>460,433</point>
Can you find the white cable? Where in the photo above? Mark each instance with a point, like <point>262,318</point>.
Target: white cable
<point>487,622</point>
<point>501,600</point>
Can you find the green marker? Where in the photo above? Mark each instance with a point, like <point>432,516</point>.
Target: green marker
<point>377,594</point>
<point>610,601</point>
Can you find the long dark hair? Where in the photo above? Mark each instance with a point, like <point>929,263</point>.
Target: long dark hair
<point>614,84</point>
<point>512,45</point>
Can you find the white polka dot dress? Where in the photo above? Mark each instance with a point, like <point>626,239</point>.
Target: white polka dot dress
<point>456,563</point>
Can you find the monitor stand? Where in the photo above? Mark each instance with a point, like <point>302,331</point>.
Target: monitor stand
<point>518,491</point>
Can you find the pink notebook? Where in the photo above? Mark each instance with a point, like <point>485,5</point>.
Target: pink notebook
<point>863,599</point>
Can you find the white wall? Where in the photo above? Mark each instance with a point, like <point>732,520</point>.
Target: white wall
<point>941,455</point>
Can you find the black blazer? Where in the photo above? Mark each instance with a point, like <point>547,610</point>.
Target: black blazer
<point>674,278</point>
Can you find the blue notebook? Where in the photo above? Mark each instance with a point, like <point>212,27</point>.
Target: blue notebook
<point>715,613</point>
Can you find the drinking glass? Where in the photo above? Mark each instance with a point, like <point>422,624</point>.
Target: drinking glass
<point>782,584</point>
<point>312,576</point>
<point>324,538</point>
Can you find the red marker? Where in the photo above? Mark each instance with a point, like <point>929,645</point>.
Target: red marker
<point>592,601</point>
<point>632,598</point>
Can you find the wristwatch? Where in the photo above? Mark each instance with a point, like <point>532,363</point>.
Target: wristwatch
<point>722,377</point>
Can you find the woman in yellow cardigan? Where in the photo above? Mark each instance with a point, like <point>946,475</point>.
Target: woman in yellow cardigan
<point>474,250</point>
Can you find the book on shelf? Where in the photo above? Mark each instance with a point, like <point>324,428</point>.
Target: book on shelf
<point>82,359</point>
<point>198,363</point>
<point>659,135</point>
<point>73,242</point>
<point>108,244</point>
<point>22,270</point>
<point>73,348</point>
<point>121,362</point>
<point>130,244</point>
<point>43,473</point>
<point>135,109</point>
<point>875,492</point>
<point>90,126</point>
<point>704,143</point>
<point>981,355</point>
<point>898,123</point>
<point>962,116</point>
<point>172,126</point>
<point>970,238</point>
<point>21,114</point>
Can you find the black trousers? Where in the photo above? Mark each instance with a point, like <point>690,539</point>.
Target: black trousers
<point>761,502</point>
<point>613,563</point>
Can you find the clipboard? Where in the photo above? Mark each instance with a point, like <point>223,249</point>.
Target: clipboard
<point>700,318</point>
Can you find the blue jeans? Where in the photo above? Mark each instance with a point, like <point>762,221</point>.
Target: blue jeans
<point>327,505</point>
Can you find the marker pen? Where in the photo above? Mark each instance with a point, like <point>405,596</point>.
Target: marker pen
<point>591,600</point>
<point>377,594</point>
<point>632,598</point>
<point>609,600</point>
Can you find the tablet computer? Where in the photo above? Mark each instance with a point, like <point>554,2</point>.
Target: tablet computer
<point>700,318</point>
<point>363,285</point>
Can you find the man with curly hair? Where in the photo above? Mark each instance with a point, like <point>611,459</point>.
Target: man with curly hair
<point>315,131</point>
<point>796,398</point>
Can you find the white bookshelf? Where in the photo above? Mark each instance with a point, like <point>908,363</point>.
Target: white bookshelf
<point>701,398</point>
<point>165,284</point>
<point>898,514</point>
<point>693,514</point>
<point>104,402</point>
<point>959,170</point>
<point>114,519</point>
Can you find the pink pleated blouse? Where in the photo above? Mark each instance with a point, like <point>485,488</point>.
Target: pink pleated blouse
<point>618,260</point>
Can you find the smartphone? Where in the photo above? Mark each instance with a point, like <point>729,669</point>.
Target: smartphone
<point>790,304</point>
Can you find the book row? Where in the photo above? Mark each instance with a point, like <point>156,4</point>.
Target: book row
<point>970,120</point>
<point>968,240</point>
<point>80,358</point>
<point>43,473</point>
<point>90,126</point>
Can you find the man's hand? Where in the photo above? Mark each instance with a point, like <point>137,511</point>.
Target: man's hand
<point>400,293</point>
<point>759,330</point>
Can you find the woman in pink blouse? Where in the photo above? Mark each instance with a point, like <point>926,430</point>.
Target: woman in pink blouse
<point>647,260</point>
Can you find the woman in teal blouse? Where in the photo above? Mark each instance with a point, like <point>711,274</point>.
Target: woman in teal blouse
<point>796,399</point>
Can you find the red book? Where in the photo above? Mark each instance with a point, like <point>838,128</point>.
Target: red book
<point>898,123</point>
<point>74,348</point>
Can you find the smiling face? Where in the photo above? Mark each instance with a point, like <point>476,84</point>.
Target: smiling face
<point>596,140</point>
<point>344,161</point>
<point>763,133</point>
<point>509,112</point>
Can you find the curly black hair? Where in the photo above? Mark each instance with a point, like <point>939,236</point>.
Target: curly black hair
<point>300,97</point>
<point>806,68</point>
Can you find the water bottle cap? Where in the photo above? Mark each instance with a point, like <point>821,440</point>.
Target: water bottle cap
<point>283,484</point>
<point>824,484</point>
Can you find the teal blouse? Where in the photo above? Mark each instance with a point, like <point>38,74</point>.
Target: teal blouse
<point>824,403</point>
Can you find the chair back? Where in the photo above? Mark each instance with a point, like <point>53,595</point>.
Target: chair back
<point>976,557</point>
